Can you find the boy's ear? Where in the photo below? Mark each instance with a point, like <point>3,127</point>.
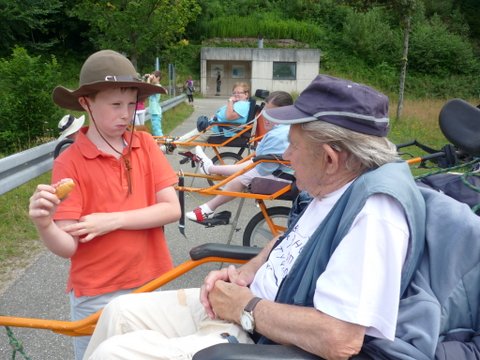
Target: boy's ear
<point>83,102</point>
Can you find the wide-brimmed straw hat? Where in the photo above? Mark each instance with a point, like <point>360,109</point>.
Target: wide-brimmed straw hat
<point>105,69</point>
<point>344,103</point>
<point>69,125</point>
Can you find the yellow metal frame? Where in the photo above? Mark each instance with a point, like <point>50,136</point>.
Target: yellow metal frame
<point>216,189</point>
<point>166,140</point>
<point>87,325</point>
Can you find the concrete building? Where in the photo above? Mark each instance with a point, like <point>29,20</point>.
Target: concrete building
<point>269,69</point>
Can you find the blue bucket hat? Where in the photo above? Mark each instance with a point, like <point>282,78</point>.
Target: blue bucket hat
<point>344,103</point>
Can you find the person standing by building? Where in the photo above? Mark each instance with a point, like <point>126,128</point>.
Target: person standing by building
<point>189,89</point>
<point>219,83</point>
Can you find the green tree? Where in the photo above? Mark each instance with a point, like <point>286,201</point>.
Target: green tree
<point>405,10</point>
<point>137,27</point>
<point>28,113</point>
<point>25,22</point>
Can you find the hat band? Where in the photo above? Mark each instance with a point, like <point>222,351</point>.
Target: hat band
<point>372,119</point>
<point>121,78</point>
<point>69,122</point>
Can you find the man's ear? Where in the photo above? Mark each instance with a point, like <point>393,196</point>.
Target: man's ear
<point>332,158</point>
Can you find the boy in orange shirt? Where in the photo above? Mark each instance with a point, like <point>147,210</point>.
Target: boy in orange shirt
<point>111,224</point>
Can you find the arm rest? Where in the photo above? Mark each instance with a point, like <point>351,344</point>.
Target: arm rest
<point>252,352</point>
<point>223,250</point>
<point>229,351</point>
<point>268,157</point>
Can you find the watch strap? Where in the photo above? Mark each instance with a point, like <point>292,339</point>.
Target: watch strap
<point>251,304</point>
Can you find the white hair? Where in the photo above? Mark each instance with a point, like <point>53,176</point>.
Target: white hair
<point>364,151</point>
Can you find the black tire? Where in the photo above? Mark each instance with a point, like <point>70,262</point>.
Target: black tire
<point>225,158</point>
<point>257,233</point>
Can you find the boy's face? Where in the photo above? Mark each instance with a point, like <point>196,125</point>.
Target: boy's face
<point>113,110</point>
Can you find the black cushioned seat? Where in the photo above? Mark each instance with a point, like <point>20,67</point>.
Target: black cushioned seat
<point>460,123</point>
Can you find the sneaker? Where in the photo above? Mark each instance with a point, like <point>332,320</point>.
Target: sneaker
<point>200,213</point>
<point>204,162</point>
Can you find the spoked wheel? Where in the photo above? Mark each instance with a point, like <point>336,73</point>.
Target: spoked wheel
<point>225,158</point>
<point>258,233</point>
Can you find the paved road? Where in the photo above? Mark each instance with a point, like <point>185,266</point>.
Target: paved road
<point>39,291</point>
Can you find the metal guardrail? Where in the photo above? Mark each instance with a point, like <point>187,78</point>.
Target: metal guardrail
<point>24,166</point>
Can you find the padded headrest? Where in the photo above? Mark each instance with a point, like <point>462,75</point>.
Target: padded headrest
<point>460,123</point>
<point>253,109</point>
<point>262,94</point>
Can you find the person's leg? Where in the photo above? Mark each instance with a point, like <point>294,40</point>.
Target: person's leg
<point>156,126</point>
<point>207,167</point>
<point>140,117</point>
<point>199,137</point>
<point>234,186</point>
<point>149,320</point>
<point>83,306</point>
<point>153,345</point>
<point>207,210</point>
<point>160,119</point>
<point>227,169</point>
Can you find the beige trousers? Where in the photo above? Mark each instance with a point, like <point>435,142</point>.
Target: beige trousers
<point>159,325</point>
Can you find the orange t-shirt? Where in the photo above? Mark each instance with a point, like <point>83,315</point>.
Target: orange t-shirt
<point>122,259</point>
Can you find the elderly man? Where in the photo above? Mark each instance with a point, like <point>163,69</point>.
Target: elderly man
<point>332,280</point>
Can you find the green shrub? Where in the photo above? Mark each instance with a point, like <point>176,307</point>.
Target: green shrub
<point>186,58</point>
<point>370,37</point>
<point>28,114</point>
<point>435,50</point>
<point>448,86</point>
<point>268,24</point>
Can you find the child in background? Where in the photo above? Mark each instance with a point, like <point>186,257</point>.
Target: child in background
<point>275,142</point>
<point>111,225</point>
<point>154,107</point>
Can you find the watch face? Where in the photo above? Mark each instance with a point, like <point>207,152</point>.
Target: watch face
<point>247,322</point>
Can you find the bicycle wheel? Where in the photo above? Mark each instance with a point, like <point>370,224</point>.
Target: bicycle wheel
<point>225,158</point>
<point>257,231</point>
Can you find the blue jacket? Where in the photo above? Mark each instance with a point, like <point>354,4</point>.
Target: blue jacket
<point>241,108</point>
<point>439,315</point>
<point>299,285</point>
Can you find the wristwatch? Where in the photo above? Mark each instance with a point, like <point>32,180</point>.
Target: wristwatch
<point>247,320</point>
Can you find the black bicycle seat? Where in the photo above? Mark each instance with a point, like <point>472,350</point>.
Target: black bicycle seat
<point>460,123</point>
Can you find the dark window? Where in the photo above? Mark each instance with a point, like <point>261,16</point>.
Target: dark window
<point>284,70</point>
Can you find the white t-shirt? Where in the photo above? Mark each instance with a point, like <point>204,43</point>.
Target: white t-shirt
<point>361,283</point>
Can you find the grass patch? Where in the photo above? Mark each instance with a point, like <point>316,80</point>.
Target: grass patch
<point>419,121</point>
<point>19,241</point>
<point>173,117</point>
